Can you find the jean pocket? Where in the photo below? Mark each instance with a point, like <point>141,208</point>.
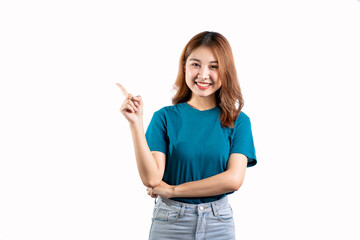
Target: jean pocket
<point>165,214</point>
<point>225,214</point>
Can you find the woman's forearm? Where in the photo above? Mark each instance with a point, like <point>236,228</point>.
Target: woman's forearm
<point>148,169</point>
<point>227,181</point>
<point>221,183</point>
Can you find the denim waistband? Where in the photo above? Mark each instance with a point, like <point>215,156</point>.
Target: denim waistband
<point>202,207</point>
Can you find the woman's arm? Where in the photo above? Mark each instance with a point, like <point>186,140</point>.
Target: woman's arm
<point>228,181</point>
<point>151,165</point>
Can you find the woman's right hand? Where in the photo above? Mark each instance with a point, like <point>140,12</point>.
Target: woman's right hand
<point>132,107</point>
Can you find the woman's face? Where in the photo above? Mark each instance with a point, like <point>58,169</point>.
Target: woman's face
<point>201,73</point>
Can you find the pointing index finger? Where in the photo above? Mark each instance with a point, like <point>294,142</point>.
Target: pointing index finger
<point>123,90</point>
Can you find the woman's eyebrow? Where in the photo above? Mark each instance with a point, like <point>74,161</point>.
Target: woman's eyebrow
<point>194,59</point>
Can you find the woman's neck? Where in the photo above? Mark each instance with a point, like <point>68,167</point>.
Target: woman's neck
<point>203,103</point>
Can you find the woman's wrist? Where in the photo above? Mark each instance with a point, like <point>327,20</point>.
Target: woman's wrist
<point>173,192</point>
<point>136,125</point>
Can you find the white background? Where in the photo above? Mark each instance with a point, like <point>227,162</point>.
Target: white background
<point>67,166</point>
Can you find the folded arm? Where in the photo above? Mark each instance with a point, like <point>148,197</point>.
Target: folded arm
<point>228,181</point>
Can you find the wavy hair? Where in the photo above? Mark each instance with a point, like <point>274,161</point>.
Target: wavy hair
<point>228,96</point>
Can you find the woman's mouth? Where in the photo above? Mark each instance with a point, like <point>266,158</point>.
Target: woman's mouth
<point>202,85</point>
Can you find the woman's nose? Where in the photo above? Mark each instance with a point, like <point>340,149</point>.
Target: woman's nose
<point>204,73</point>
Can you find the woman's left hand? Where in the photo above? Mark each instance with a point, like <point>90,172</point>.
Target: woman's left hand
<point>163,190</point>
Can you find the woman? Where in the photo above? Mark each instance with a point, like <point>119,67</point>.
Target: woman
<point>195,152</point>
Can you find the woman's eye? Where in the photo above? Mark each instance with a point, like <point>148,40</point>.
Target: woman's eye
<point>214,67</point>
<point>195,64</point>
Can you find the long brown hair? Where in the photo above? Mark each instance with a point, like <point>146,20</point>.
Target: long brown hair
<point>228,96</point>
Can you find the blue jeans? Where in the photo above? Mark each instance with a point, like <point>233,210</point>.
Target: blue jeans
<point>177,220</point>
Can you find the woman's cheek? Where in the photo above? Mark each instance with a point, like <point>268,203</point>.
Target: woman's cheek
<point>192,72</point>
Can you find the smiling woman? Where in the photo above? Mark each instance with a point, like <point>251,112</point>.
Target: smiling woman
<point>217,63</point>
<point>195,152</point>
<point>201,75</point>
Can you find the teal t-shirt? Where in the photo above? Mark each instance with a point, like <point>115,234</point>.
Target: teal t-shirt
<point>195,144</point>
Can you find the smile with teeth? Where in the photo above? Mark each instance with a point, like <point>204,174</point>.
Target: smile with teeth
<point>203,84</point>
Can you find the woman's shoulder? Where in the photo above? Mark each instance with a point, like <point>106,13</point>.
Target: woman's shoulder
<point>170,109</point>
<point>168,113</point>
<point>243,115</point>
<point>242,118</point>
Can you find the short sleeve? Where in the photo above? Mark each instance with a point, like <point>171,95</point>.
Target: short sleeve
<point>242,139</point>
<point>156,133</point>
